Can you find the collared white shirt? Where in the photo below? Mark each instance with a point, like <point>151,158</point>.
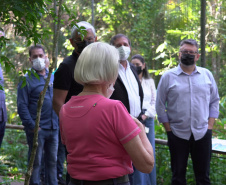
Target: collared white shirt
<point>149,90</point>
<point>132,88</point>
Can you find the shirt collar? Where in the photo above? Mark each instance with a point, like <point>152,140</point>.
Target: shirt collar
<point>179,70</point>
<point>75,54</point>
<point>121,66</point>
<point>47,72</point>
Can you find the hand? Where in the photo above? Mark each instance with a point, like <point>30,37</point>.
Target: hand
<point>167,126</point>
<point>210,127</point>
<point>211,123</point>
<point>34,130</point>
<point>144,117</point>
<point>139,124</point>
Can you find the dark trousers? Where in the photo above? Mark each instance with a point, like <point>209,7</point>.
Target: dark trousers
<point>68,177</point>
<point>124,180</point>
<point>200,151</point>
<point>2,131</point>
<point>61,156</point>
<point>115,183</point>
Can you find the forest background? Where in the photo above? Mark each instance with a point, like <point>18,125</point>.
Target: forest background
<point>155,29</point>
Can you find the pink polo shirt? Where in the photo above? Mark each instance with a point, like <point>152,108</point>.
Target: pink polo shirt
<point>94,129</point>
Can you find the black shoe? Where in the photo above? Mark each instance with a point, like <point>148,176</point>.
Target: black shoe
<point>61,181</point>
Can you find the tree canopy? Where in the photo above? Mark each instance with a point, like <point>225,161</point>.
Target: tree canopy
<point>154,27</point>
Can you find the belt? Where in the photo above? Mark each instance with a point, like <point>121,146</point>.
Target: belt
<point>122,179</point>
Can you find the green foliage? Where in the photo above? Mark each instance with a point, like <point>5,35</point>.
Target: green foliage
<point>13,156</point>
<point>25,24</point>
<point>222,80</point>
<point>163,169</point>
<point>11,99</point>
<point>220,125</point>
<point>167,55</point>
<point>81,31</point>
<point>27,72</point>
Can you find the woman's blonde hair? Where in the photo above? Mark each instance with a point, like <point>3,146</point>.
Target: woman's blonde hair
<point>97,64</point>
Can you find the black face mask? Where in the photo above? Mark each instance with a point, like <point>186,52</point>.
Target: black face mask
<point>82,45</point>
<point>139,70</point>
<point>187,59</point>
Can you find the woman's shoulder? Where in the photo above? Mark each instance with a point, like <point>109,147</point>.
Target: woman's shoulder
<point>111,101</point>
<point>112,104</point>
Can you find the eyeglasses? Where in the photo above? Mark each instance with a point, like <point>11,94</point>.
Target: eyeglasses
<point>89,39</point>
<point>188,52</point>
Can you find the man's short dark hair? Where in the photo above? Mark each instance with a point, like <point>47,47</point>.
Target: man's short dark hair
<point>191,42</point>
<point>113,39</point>
<point>37,46</point>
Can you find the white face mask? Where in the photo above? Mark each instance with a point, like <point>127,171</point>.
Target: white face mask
<point>38,64</point>
<point>110,91</point>
<point>124,52</point>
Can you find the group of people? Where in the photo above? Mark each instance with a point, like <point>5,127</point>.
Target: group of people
<point>102,108</point>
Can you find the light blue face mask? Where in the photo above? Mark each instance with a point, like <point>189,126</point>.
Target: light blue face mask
<point>124,52</point>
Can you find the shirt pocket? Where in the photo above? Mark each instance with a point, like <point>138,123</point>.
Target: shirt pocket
<point>201,89</point>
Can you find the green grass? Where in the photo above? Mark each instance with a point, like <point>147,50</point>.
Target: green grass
<point>13,156</point>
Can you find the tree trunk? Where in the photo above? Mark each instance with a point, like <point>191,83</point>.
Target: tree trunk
<point>55,32</point>
<point>93,13</point>
<point>203,32</point>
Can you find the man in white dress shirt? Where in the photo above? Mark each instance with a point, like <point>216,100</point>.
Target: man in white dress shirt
<point>127,86</point>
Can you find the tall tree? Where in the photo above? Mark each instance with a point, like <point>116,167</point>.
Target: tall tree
<point>203,33</point>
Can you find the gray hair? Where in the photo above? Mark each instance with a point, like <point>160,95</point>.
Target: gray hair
<point>84,24</point>
<point>191,42</point>
<point>97,64</point>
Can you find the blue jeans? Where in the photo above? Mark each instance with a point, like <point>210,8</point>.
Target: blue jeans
<point>47,142</point>
<point>140,178</point>
<point>61,155</point>
<point>200,151</point>
<point>2,131</point>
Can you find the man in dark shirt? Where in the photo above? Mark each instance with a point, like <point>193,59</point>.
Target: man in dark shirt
<point>65,86</point>
<point>64,83</point>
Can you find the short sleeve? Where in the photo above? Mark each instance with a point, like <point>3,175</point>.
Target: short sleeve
<point>124,126</point>
<point>62,77</point>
